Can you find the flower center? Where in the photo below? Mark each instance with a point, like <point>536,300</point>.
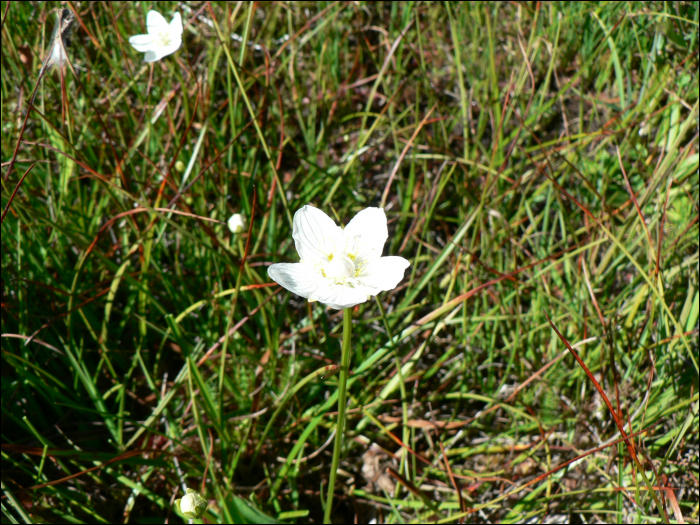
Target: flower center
<point>163,38</point>
<point>339,267</point>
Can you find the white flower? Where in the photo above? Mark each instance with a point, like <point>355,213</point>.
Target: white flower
<point>236,223</point>
<point>163,39</point>
<point>339,267</point>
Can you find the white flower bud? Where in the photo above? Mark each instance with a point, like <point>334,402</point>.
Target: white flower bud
<point>236,223</point>
<point>192,505</point>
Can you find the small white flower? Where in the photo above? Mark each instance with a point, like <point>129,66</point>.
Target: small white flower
<point>339,267</point>
<point>163,39</point>
<point>236,223</point>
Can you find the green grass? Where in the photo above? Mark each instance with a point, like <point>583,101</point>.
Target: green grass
<point>556,174</point>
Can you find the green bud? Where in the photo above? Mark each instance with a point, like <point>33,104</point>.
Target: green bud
<point>180,166</point>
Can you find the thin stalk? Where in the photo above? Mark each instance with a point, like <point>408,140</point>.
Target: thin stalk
<point>340,427</point>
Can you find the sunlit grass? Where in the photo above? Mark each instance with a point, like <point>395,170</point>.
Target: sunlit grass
<point>531,158</point>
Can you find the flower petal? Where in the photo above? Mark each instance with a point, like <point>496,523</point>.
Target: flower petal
<point>176,26</point>
<point>315,234</point>
<point>152,55</point>
<point>141,43</point>
<point>340,296</point>
<point>155,23</point>
<point>299,278</point>
<point>383,274</point>
<point>156,53</point>
<point>366,234</point>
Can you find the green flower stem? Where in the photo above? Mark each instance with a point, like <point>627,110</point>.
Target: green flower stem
<point>340,427</point>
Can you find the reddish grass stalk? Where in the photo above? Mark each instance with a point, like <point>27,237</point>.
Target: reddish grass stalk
<point>618,422</point>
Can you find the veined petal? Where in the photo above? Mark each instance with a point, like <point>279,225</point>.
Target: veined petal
<point>315,234</point>
<point>176,26</point>
<point>340,296</point>
<point>383,274</point>
<point>156,23</point>
<point>299,278</point>
<point>141,43</point>
<point>366,234</point>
